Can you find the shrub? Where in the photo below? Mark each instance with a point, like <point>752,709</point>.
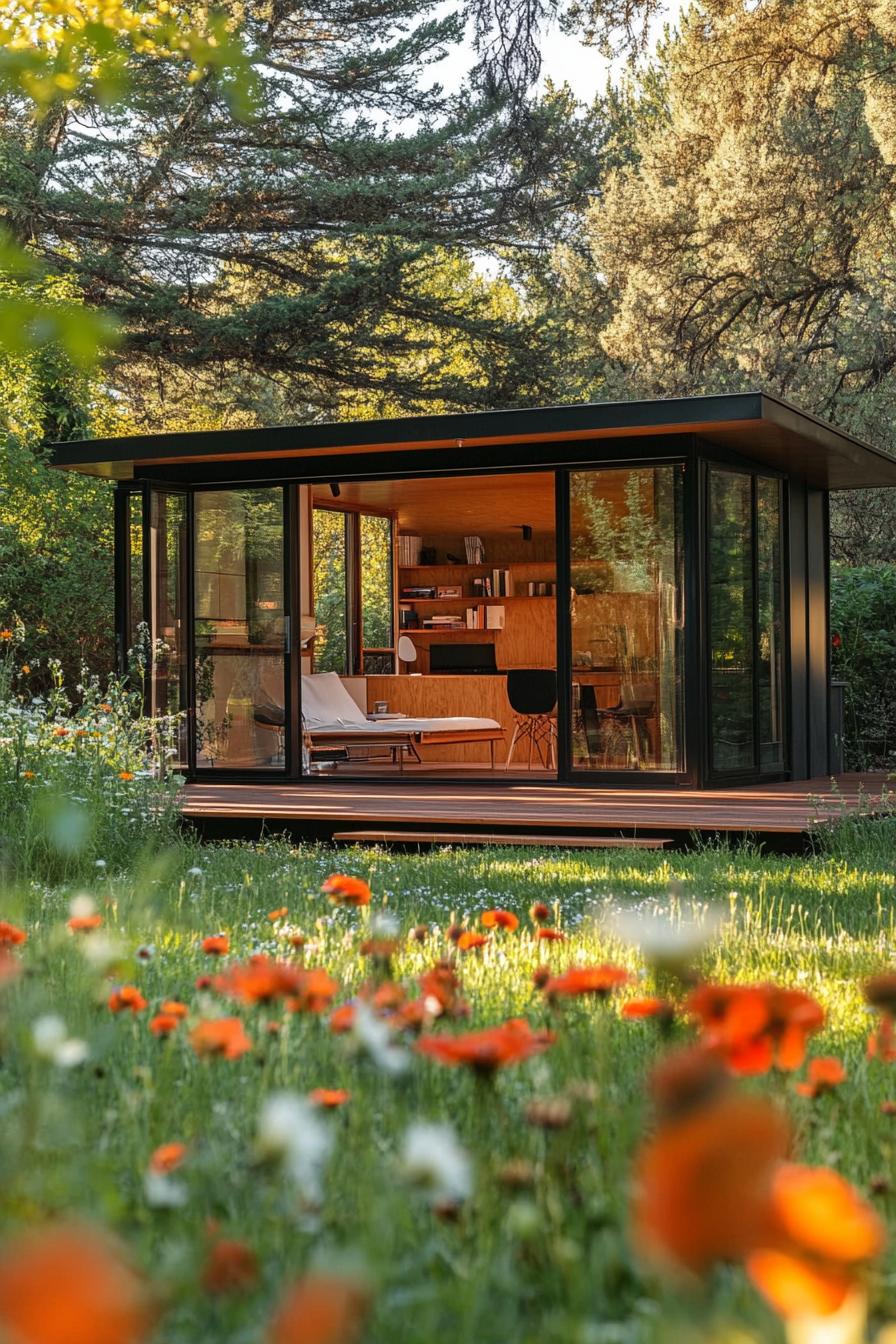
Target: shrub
<point>863,654</point>
<point>80,786</point>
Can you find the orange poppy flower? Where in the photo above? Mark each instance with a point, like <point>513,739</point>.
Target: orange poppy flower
<point>499,919</point>
<point>28,774</point>
<point>174,1008</point>
<point>314,992</point>
<point>320,1309</point>
<point>60,732</point>
<point>125,776</point>
<point>275,915</point>
<point>10,936</point>
<point>258,980</point>
<point>637,1009</point>
<point>163,1024</point>
<point>342,1019</point>
<point>345,890</point>
<point>488,1050</point>
<point>825,1073</point>
<point>539,912</point>
<point>167,1158</point>
<point>468,942</point>
<point>127,998</point>
<point>600,980</point>
<point>822,1235</point>
<point>203,982</point>
<point>379,949</point>
<point>296,939</point>
<point>224,1036</point>
<point>756,1027</point>
<point>703,1183</point>
<point>216,945</point>
<point>230,1267</point>
<point>440,988</point>
<point>71,1284</point>
<point>84,923</point>
<point>550,936</point>
<point>329,1097</point>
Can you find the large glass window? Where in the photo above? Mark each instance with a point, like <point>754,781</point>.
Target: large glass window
<point>240,629</point>
<point>746,635</point>
<point>168,665</point>
<point>626,619</point>
<point>731,601</point>
<point>353,592</point>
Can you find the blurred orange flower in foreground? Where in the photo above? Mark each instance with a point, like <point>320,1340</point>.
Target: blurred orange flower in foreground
<point>600,980</point>
<point>71,1284</point>
<point>488,1050</point>
<point>167,1157</point>
<point>84,923</point>
<point>469,941</point>
<point>825,1073</point>
<point>10,936</point>
<point>821,1236</point>
<point>500,919</point>
<point>329,1097</point>
<point>756,1027</point>
<point>321,1309</point>
<point>224,1036</point>
<point>345,890</point>
<point>127,998</point>
<point>703,1183</point>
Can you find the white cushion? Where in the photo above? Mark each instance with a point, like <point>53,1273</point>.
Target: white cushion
<point>326,702</point>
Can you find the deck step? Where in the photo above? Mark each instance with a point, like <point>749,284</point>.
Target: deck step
<point>496,838</point>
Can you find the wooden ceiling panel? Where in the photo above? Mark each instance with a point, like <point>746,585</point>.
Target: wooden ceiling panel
<point>462,504</point>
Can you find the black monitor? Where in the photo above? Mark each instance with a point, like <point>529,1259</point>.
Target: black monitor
<point>468,659</point>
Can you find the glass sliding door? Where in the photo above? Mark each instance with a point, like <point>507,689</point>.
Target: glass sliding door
<point>167,561</point>
<point>626,619</point>
<point>240,629</point>
<point>745,602</point>
<point>377,589</point>
<point>354,591</point>
<point>731,615</point>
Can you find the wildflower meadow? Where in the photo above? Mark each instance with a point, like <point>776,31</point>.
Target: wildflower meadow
<point>295,1095</point>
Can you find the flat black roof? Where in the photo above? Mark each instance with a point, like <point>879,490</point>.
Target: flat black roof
<point>756,425</point>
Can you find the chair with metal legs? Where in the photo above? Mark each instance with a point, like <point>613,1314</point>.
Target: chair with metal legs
<point>532,692</point>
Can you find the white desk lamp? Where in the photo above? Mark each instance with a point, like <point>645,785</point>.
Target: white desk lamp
<point>407,652</point>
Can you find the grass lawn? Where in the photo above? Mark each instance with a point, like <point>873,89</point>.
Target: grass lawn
<point>536,1244</point>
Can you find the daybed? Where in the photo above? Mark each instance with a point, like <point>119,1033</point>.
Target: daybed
<point>331,718</point>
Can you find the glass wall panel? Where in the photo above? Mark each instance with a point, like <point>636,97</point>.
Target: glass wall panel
<point>135,570</point>
<point>378,655</point>
<point>168,664</point>
<point>329,540</point>
<point>626,619</point>
<point>731,601</point>
<point>240,629</point>
<point>770,613</point>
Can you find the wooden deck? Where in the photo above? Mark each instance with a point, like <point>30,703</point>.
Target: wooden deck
<point>319,809</point>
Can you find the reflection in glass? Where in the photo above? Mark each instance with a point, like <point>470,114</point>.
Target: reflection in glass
<point>167,682</point>
<point>135,573</point>
<point>376,594</point>
<point>626,619</point>
<point>240,630</point>
<point>330,580</point>
<point>731,598</point>
<point>770,669</point>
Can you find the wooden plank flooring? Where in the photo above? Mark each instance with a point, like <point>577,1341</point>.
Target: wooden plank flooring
<point>762,809</point>
<point>458,837</point>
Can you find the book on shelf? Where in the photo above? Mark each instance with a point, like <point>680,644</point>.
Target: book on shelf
<point>475,551</point>
<point>494,618</point>
<point>541,588</point>
<point>475,617</point>
<point>500,583</point>
<point>422,592</point>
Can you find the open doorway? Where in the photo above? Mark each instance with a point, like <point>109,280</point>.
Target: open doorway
<point>430,626</point>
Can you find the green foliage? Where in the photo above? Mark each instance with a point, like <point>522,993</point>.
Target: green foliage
<point>863,634</point>
<point>77,786</point>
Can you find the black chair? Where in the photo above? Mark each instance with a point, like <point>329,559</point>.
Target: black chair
<point>532,692</point>
<point>272,719</point>
<point>626,722</point>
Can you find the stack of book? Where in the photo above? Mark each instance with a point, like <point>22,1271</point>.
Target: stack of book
<point>454,622</point>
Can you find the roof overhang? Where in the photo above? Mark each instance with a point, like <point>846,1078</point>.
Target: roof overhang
<point>755,425</point>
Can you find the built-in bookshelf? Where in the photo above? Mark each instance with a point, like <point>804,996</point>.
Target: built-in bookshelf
<point>519,618</point>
